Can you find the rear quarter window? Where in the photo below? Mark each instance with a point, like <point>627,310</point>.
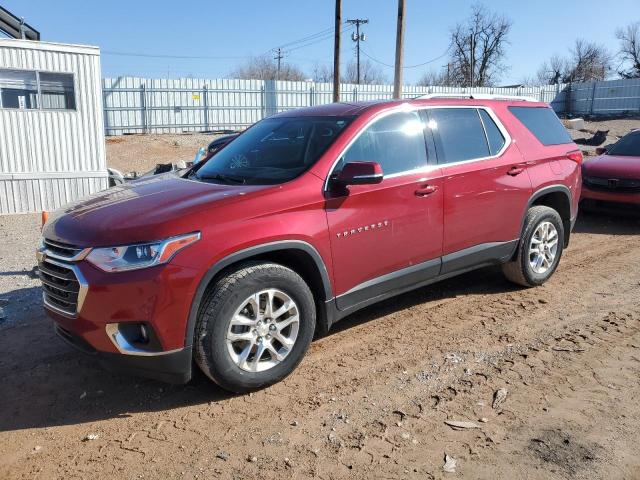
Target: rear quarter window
<point>543,123</point>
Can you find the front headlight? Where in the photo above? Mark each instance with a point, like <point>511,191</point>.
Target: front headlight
<point>142,255</point>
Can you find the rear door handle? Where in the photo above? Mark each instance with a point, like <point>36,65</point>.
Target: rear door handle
<point>516,170</point>
<point>426,190</point>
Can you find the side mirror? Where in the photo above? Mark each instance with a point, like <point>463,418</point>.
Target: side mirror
<point>359,173</point>
<point>601,150</point>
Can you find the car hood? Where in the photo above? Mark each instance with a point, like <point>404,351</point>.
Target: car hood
<point>150,209</point>
<point>612,166</point>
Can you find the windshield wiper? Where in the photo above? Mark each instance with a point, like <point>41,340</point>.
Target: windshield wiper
<point>221,177</point>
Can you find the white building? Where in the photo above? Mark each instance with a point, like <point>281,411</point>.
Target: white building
<point>52,148</point>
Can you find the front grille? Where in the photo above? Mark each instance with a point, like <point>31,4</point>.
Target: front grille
<point>60,285</point>
<point>622,185</point>
<point>62,250</point>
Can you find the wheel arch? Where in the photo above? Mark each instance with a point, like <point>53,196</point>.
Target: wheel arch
<point>298,255</point>
<point>559,198</point>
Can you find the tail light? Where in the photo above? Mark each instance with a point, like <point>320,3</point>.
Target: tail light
<point>576,156</point>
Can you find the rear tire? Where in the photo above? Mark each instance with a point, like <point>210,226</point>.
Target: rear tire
<point>539,249</point>
<point>254,326</point>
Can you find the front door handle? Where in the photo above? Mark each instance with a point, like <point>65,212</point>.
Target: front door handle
<point>426,190</point>
<point>516,170</point>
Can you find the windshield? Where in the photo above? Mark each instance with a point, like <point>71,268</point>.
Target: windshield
<point>273,151</point>
<point>627,146</point>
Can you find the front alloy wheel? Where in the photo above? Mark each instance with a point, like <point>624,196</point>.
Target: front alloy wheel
<point>263,330</point>
<point>254,326</point>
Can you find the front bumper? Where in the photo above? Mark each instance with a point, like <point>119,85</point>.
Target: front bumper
<point>170,367</point>
<point>629,198</point>
<point>108,305</point>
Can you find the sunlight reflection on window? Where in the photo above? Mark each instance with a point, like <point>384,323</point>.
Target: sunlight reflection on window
<point>412,127</point>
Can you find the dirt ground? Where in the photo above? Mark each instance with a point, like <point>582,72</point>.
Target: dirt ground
<point>616,129</point>
<point>140,153</point>
<point>371,399</point>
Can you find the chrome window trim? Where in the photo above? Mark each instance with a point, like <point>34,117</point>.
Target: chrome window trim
<point>407,108</point>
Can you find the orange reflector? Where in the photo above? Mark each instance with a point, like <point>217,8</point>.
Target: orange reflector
<point>174,246</point>
<point>44,217</point>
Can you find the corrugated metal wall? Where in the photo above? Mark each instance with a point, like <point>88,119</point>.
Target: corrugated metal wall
<point>50,157</point>
<point>611,97</point>
<point>145,105</point>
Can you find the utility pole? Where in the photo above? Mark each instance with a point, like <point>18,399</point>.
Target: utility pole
<point>473,59</point>
<point>279,56</point>
<point>357,37</point>
<point>397,78</point>
<point>448,65</point>
<point>336,52</point>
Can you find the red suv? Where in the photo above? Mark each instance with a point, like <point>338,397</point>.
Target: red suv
<point>304,218</point>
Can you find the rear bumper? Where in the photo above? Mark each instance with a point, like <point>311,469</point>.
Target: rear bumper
<point>171,367</point>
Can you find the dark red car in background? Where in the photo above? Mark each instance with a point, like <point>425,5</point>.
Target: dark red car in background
<point>301,220</point>
<point>612,180</point>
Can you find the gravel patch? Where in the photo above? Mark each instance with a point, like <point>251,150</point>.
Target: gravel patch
<point>19,288</point>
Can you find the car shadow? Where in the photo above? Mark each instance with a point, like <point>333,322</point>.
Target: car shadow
<point>484,281</point>
<point>607,223</point>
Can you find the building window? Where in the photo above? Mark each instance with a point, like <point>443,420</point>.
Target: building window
<point>27,90</point>
<point>19,89</point>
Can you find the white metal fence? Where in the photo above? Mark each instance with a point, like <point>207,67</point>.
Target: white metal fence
<point>145,105</point>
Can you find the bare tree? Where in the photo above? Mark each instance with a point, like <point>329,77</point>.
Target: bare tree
<point>630,49</point>
<point>589,61</point>
<point>370,74</point>
<point>478,48</point>
<point>322,72</point>
<point>433,78</point>
<point>552,71</point>
<point>265,68</point>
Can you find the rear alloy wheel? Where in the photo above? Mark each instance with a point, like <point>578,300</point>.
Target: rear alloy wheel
<point>543,247</point>
<point>254,327</point>
<point>539,249</point>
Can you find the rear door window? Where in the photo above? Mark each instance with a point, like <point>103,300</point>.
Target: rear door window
<point>543,123</point>
<point>494,135</point>
<point>458,134</point>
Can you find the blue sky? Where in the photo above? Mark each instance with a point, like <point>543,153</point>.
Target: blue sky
<point>238,29</point>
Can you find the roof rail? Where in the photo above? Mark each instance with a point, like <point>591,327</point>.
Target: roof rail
<point>477,96</point>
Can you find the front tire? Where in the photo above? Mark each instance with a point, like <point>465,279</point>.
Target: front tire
<point>254,326</point>
<point>539,249</point>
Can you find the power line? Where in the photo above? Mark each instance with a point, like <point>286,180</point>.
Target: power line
<point>406,66</point>
<point>309,37</point>
<point>186,57</point>
<point>318,40</point>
